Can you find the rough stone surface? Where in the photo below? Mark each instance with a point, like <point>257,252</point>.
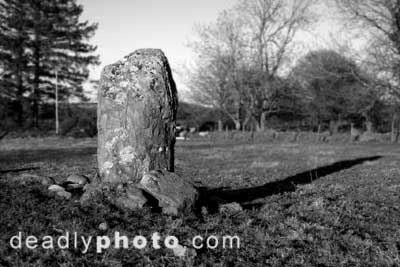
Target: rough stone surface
<point>130,197</point>
<point>56,188</point>
<point>171,191</point>
<point>92,193</point>
<point>78,179</point>
<point>137,104</point>
<point>123,196</point>
<point>60,191</point>
<point>230,208</point>
<point>64,194</point>
<point>103,226</point>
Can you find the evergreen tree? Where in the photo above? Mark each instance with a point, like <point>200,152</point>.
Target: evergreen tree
<point>40,38</point>
<point>13,55</point>
<point>59,44</point>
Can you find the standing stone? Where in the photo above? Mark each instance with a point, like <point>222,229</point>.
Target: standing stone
<point>137,105</point>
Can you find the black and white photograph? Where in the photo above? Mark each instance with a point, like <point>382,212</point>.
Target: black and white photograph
<point>212,133</point>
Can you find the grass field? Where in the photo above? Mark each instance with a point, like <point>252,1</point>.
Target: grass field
<point>303,205</point>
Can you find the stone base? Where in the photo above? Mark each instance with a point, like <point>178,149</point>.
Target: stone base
<point>127,197</point>
<point>172,192</point>
<point>157,189</point>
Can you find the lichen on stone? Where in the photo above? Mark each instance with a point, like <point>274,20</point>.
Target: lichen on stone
<point>107,165</point>
<point>124,84</point>
<point>119,135</point>
<point>127,154</point>
<point>120,98</point>
<point>134,68</point>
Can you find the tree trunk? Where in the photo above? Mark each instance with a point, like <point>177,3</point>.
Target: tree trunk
<point>36,78</point>
<point>36,96</point>
<point>395,129</point>
<point>220,126</point>
<point>20,108</point>
<point>237,125</point>
<point>20,87</point>
<point>262,120</point>
<point>332,127</point>
<point>246,122</point>
<point>319,130</point>
<point>236,119</point>
<point>337,124</point>
<point>369,125</point>
<point>258,126</point>
<point>354,133</point>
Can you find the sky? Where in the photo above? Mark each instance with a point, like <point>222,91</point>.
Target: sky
<point>127,25</point>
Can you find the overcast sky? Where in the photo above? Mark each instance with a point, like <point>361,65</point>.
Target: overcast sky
<point>127,25</point>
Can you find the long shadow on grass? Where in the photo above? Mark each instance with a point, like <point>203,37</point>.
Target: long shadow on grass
<point>211,198</point>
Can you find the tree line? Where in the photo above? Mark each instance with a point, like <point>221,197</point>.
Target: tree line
<point>245,65</point>
<point>42,42</point>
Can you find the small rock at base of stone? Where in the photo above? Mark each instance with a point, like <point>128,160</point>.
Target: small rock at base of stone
<point>184,252</point>
<point>172,192</point>
<point>103,226</point>
<point>55,188</point>
<point>64,194</point>
<point>230,208</point>
<point>78,179</point>
<point>130,197</point>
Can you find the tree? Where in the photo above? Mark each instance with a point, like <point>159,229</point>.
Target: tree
<point>283,98</point>
<point>241,54</point>
<point>271,26</point>
<point>336,88</point>
<point>51,40</point>
<point>13,55</point>
<point>215,77</point>
<point>380,19</point>
<point>212,88</point>
<point>59,45</point>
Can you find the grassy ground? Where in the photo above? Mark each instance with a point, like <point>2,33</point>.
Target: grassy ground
<point>350,217</point>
